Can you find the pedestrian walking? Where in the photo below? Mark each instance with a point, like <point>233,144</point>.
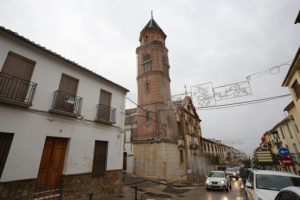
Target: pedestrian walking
<point>244,172</point>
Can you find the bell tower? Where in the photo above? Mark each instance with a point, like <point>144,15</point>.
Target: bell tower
<point>155,151</point>
<point>153,82</point>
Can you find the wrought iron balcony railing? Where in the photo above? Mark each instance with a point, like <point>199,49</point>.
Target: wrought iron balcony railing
<point>64,103</point>
<point>15,90</point>
<point>106,114</point>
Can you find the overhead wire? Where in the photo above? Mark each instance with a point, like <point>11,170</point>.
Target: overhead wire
<point>266,71</point>
<point>251,77</point>
<point>255,101</point>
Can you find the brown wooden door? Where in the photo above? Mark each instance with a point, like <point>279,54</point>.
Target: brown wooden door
<point>52,163</point>
<point>5,143</point>
<point>105,101</point>
<point>124,161</point>
<point>17,71</point>
<point>100,157</point>
<point>65,99</point>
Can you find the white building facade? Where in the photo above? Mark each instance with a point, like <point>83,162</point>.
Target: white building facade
<point>59,123</point>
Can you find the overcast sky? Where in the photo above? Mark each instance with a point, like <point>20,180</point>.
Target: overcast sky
<point>209,41</point>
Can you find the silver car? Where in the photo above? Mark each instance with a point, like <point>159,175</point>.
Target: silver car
<point>218,180</point>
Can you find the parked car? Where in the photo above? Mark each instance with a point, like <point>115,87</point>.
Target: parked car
<point>218,180</point>
<point>232,173</point>
<point>266,184</point>
<point>289,193</point>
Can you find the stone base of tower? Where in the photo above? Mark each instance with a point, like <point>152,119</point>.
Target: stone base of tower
<point>159,161</point>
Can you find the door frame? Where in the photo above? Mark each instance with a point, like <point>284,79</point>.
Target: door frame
<point>66,141</point>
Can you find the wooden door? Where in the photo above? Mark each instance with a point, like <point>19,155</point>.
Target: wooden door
<point>65,98</point>
<point>52,163</point>
<point>124,161</point>
<point>105,101</point>
<point>17,71</point>
<point>5,143</point>
<point>100,157</point>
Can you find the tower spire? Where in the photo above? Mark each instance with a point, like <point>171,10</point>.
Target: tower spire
<point>152,14</point>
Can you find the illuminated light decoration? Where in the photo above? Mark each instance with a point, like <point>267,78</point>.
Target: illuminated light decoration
<point>233,90</point>
<point>203,94</point>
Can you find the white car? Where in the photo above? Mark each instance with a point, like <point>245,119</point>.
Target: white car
<point>266,184</point>
<point>289,193</point>
<point>218,180</point>
<point>232,173</point>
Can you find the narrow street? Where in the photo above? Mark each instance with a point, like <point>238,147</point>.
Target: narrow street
<point>147,190</point>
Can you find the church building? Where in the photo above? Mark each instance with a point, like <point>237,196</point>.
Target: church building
<point>159,152</point>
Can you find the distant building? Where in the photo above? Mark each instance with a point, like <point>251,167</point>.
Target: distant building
<point>289,138</point>
<point>60,125</point>
<point>130,129</point>
<point>292,80</point>
<point>220,155</point>
<point>188,138</point>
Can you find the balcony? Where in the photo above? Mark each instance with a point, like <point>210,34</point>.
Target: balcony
<point>106,114</point>
<point>295,157</point>
<point>194,146</point>
<point>16,91</point>
<point>66,104</point>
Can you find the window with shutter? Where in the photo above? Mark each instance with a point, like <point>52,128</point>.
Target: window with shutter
<point>5,143</point>
<point>296,88</point>
<point>100,158</point>
<point>15,77</point>
<point>146,63</point>
<point>105,106</point>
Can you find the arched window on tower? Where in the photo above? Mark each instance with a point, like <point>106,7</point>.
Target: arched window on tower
<point>166,64</point>
<point>147,88</point>
<point>146,63</point>
<point>146,39</point>
<point>147,118</point>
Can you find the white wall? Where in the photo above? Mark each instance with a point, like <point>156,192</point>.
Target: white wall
<point>31,126</point>
<point>129,148</point>
<point>30,131</point>
<point>47,74</point>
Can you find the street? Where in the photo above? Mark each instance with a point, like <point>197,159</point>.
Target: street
<point>147,190</point>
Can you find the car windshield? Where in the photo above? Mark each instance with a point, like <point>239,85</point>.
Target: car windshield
<point>274,182</point>
<point>217,174</point>
<point>230,170</point>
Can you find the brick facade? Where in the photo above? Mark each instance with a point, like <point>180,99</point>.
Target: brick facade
<point>81,186</point>
<point>16,190</point>
<point>156,155</point>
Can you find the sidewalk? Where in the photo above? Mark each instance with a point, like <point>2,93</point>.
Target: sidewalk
<point>150,190</point>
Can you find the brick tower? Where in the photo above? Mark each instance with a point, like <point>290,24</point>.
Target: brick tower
<point>156,154</point>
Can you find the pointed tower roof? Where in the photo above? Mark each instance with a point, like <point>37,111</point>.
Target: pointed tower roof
<point>151,24</point>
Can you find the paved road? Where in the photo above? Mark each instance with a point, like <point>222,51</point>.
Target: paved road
<point>192,193</point>
<point>148,190</point>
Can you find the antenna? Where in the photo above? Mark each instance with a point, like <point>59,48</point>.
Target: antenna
<point>151,14</point>
<point>186,93</point>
